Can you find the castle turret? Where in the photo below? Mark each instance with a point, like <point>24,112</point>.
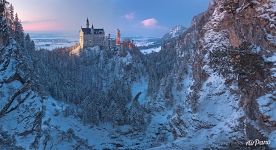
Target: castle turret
<point>118,38</point>
<point>87,23</point>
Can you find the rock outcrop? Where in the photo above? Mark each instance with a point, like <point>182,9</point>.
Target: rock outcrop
<point>231,50</point>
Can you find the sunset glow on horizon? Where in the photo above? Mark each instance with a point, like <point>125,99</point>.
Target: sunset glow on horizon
<point>133,18</point>
<point>43,27</point>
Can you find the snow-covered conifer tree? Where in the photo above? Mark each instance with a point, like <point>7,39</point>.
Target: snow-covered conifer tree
<point>18,31</point>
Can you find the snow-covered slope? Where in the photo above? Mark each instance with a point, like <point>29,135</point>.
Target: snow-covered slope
<point>32,121</point>
<point>174,32</point>
<point>222,59</point>
<point>20,106</point>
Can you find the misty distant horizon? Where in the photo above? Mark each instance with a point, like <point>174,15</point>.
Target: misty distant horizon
<point>136,18</point>
<point>41,34</point>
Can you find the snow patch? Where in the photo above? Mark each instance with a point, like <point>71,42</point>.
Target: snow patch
<point>272,138</point>
<point>151,50</point>
<point>140,86</point>
<point>95,136</point>
<point>267,105</point>
<point>271,38</point>
<point>215,40</point>
<point>127,59</point>
<point>271,58</point>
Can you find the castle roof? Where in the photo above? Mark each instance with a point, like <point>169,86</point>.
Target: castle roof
<point>86,30</point>
<point>98,31</point>
<point>89,31</point>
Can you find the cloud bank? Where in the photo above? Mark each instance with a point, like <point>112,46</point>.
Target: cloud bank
<point>151,22</point>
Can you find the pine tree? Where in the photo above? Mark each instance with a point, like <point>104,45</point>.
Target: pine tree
<point>7,13</point>
<point>2,6</point>
<point>4,28</point>
<point>136,113</point>
<point>29,44</point>
<point>11,17</point>
<point>18,31</point>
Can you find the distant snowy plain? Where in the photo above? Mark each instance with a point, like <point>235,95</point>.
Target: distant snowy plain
<point>60,40</point>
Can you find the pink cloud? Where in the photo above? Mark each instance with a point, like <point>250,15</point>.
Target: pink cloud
<point>129,16</point>
<point>151,22</point>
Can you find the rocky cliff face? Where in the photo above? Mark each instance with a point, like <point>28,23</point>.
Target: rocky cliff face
<point>231,50</point>
<point>246,31</point>
<point>29,119</point>
<point>174,32</point>
<point>20,106</point>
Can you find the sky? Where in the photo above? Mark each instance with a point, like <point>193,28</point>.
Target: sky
<point>148,18</point>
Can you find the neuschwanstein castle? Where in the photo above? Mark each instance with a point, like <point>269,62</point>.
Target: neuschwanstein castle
<point>90,37</point>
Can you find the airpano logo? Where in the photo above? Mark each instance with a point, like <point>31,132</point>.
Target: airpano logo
<point>257,142</point>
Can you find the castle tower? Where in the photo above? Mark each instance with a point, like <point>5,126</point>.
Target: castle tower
<point>109,40</point>
<point>118,37</point>
<point>90,36</point>
<point>87,23</point>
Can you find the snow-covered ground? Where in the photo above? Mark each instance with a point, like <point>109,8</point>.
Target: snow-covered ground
<point>268,105</point>
<point>59,40</point>
<point>55,113</point>
<point>53,41</point>
<point>147,45</point>
<point>151,50</point>
<point>144,41</point>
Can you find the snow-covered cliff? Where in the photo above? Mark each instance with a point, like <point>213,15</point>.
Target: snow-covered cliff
<point>174,32</point>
